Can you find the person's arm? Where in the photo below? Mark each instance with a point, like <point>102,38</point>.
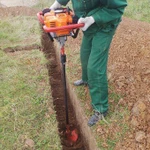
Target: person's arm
<point>63,2</point>
<point>55,5</point>
<point>112,10</point>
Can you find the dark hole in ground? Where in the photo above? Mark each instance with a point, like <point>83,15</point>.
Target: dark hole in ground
<point>57,88</point>
<point>21,48</point>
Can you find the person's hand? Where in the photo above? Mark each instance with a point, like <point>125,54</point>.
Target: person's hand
<point>46,10</point>
<point>55,5</point>
<point>88,21</point>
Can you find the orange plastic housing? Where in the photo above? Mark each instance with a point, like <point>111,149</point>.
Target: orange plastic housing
<point>54,20</point>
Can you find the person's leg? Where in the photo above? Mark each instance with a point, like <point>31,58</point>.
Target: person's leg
<point>97,71</point>
<point>84,57</point>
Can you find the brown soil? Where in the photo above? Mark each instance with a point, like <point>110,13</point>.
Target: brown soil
<point>129,75</point>
<point>21,48</point>
<point>57,86</point>
<point>17,11</point>
<point>129,72</point>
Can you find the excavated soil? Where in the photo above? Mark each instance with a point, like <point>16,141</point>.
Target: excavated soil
<point>8,3</point>
<point>17,11</point>
<point>129,73</point>
<point>57,87</point>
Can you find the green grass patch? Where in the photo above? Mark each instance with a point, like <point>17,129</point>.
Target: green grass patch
<point>138,10</point>
<point>113,129</point>
<point>26,109</point>
<point>44,4</point>
<point>19,31</point>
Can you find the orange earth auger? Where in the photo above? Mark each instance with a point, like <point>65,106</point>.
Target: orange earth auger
<point>59,24</point>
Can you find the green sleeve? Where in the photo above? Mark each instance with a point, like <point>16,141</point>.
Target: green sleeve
<point>112,10</point>
<point>63,2</point>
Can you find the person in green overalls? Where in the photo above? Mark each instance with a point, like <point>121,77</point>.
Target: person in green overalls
<point>101,18</point>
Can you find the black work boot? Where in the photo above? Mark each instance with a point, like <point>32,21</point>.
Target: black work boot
<point>95,118</point>
<point>80,82</point>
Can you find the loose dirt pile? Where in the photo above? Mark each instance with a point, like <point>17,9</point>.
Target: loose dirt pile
<point>129,72</point>
<point>8,3</point>
<point>17,11</point>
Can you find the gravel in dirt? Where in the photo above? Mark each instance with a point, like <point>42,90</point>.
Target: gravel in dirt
<point>129,71</point>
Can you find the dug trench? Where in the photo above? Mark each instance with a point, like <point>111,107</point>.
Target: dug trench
<point>77,120</point>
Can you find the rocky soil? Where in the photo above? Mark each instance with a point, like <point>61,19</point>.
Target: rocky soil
<point>129,72</point>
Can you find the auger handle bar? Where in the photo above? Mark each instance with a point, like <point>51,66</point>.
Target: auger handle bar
<point>39,15</point>
<point>71,26</point>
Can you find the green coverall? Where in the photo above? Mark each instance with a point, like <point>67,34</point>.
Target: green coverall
<point>96,43</point>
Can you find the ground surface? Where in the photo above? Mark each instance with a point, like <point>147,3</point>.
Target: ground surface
<point>8,3</point>
<point>129,72</point>
<point>57,88</point>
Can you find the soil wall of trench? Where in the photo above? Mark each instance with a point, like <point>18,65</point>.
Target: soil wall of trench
<point>77,118</point>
